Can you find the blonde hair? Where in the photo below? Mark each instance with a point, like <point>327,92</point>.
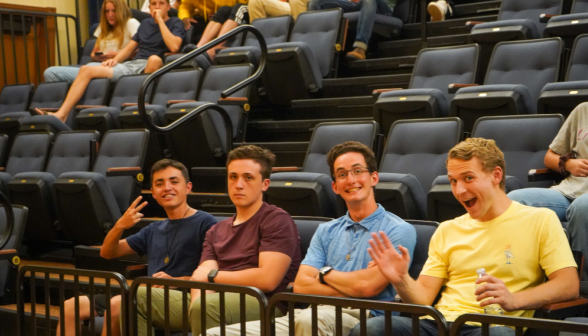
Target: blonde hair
<point>485,150</point>
<point>123,14</point>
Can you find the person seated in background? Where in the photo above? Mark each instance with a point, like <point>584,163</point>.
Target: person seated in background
<point>153,39</point>
<point>115,31</point>
<point>198,13</point>
<point>367,17</point>
<point>494,259</point>
<point>259,9</point>
<point>337,262</point>
<point>173,246</point>
<point>223,21</point>
<point>145,13</point>
<point>259,246</point>
<point>567,154</point>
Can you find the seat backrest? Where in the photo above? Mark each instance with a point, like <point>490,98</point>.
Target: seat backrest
<point>420,147</point>
<point>326,135</point>
<point>307,226</point>
<point>578,64</point>
<point>526,150</point>
<point>218,79</point>
<point>49,94</point>
<point>86,57</point>
<point>3,147</point>
<point>319,30</point>
<point>580,6</point>
<point>274,30</point>
<point>424,231</point>
<point>529,10</point>
<point>177,85</point>
<point>29,152</point>
<point>15,98</point>
<point>127,90</point>
<point>71,152</point>
<point>459,66</point>
<point>112,154</point>
<point>532,63</point>
<point>96,92</point>
<point>20,220</point>
<point>402,10</point>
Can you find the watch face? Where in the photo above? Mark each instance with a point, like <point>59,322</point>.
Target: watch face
<point>325,270</point>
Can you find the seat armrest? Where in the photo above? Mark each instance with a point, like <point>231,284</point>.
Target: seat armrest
<point>544,18</point>
<point>376,93</point>
<point>81,107</point>
<point>124,171</point>
<point>45,109</point>
<point>234,101</point>
<point>171,102</point>
<point>172,53</point>
<point>2,169</point>
<point>290,288</point>
<point>452,88</point>
<point>470,24</point>
<point>543,174</point>
<point>8,255</point>
<point>135,271</point>
<point>123,105</point>
<point>285,169</point>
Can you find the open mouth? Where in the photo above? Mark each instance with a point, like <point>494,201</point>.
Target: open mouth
<point>352,190</point>
<point>168,196</point>
<point>470,202</point>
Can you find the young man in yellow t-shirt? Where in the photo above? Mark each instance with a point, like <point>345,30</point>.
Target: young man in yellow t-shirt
<point>517,245</point>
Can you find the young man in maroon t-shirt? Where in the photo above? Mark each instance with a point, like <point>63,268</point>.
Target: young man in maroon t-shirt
<point>259,246</point>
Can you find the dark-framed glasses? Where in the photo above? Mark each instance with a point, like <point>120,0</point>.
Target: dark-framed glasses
<point>342,174</point>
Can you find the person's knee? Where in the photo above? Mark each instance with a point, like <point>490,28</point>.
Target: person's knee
<point>501,331</point>
<point>115,305</point>
<point>69,307</point>
<point>578,209</point>
<point>303,322</point>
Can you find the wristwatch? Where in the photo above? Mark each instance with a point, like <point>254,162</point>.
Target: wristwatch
<point>211,275</point>
<point>324,271</point>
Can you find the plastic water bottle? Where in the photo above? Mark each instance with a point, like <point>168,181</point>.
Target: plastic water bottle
<point>493,309</point>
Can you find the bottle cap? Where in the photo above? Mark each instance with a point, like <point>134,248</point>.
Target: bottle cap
<point>481,271</point>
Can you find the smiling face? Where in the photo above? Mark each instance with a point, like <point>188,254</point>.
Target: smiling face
<point>245,183</point>
<point>475,188</point>
<point>110,13</point>
<point>353,189</point>
<point>169,188</point>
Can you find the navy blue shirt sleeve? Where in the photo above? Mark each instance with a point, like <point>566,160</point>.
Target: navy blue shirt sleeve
<point>177,27</point>
<point>139,242</point>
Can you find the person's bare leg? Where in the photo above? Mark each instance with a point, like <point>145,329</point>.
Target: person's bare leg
<point>154,62</point>
<point>78,87</point>
<point>210,33</point>
<point>115,317</point>
<point>70,315</point>
<point>226,27</point>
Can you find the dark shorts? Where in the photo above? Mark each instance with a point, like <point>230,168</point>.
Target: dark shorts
<point>237,13</point>
<point>100,303</point>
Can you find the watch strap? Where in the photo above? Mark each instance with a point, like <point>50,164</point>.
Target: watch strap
<point>212,275</point>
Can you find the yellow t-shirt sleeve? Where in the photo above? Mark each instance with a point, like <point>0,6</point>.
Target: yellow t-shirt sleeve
<point>436,264</point>
<point>186,9</point>
<point>555,252</point>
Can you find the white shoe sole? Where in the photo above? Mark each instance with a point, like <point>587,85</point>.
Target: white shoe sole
<point>435,12</point>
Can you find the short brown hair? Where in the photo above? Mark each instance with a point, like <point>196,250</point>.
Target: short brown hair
<point>485,150</point>
<point>355,147</point>
<point>264,157</point>
<point>164,163</point>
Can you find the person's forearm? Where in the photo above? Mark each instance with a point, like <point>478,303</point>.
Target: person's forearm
<point>124,54</point>
<point>361,284</point>
<point>552,291</point>
<point>412,291</point>
<point>109,247</point>
<point>172,42</point>
<point>312,286</point>
<point>254,277</point>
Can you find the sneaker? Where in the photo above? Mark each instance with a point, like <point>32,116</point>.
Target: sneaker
<point>357,54</point>
<point>438,9</point>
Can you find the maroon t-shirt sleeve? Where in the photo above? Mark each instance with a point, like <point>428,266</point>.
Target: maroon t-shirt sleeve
<point>279,234</point>
<point>208,248</point>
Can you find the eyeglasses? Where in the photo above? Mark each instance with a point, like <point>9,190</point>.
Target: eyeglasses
<point>342,174</point>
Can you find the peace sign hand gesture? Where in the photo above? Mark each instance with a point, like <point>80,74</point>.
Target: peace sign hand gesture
<point>132,216</point>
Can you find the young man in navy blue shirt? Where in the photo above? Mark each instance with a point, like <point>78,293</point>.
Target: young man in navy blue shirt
<point>173,245</point>
<point>153,39</point>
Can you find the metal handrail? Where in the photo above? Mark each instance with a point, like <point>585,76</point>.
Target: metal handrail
<point>518,322</point>
<point>183,285</point>
<point>363,305</point>
<point>9,220</point>
<point>46,272</point>
<point>191,55</point>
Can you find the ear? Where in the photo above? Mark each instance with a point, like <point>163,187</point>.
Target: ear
<point>189,186</point>
<point>335,188</point>
<point>375,177</point>
<point>265,185</point>
<point>497,175</point>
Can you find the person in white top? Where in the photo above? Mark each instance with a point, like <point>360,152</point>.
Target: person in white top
<point>116,29</point>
